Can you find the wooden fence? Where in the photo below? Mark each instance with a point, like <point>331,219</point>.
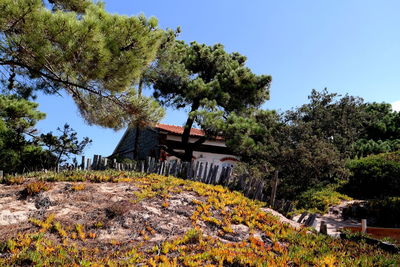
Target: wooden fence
<point>204,172</point>
<point>200,171</point>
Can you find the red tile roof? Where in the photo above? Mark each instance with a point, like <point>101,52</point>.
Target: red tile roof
<point>179,130</point>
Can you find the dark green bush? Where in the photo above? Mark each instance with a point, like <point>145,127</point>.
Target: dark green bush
<point>374,176</point>
<point>379,212</point>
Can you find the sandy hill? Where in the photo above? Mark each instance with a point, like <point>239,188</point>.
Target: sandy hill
<point>128,219</point>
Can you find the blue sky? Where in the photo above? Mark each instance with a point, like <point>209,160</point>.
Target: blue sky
<point>347,46</point>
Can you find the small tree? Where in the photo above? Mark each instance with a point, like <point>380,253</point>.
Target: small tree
<point>209,83</point>
<point>338,119</point>
<point>64,145</point>
<point>308,145</point>
<point>18,152</point>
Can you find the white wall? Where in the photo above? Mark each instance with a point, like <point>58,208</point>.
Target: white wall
<point>213,158</point>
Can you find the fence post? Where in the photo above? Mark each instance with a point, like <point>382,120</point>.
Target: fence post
<point>203,177</point>
<point>210,174</point>
<point>214,177</point>
<point>310,220</point>
<point>142,167</point>
<point>364,226</point>
<point>89,165</point>
<point>188,169</point>
<point>259,190</point>
<point>274,187</point>
<point>323,229</point>
<point>94,162</point>
<point>222,176</point>
<point>199,171</point>
<point>105,163</point>
<point>83,163</point>
<point>98,164</point>
<point>248,187</point>
<point>302,216</point>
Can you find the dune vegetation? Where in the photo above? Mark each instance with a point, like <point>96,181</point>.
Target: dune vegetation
<point>128,219</point>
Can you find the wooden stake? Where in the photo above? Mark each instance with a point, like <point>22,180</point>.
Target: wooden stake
<point>302,216</point>
<point>105,163</point>
<point>204,175</point>
<point>275,181</point>
<point>364,226</point>
<point>89,164</point>
<point>323,229</point>
<point>310,220</point>
<point>83,163</point>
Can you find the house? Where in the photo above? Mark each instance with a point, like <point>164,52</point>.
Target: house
<point>149,141</point>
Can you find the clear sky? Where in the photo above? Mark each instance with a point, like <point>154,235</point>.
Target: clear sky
<point>348,46</point>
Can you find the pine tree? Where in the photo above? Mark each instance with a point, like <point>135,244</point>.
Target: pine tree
<point>17,120</point>
<point>78,47</point>
<point>208,82</point>
<point>64,145</point>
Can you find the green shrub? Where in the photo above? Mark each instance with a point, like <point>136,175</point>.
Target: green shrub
<point>379,212</point>
<point>374,176</point>
<point>320,199</point>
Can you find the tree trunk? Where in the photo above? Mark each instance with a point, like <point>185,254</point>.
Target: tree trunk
<point>59,157</point>
<point>137,130</point>
<point>188,155</point>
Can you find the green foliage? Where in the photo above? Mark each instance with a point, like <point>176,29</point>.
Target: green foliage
<point>207,81</point>
<point>375,176</point>
<point>34,157</point>
<point>65,144</point>
<point>365,147</point>
<point>379,212</point>
<point>381,133</point>
<point>320,199</point>
<point>18,115</point>
<point>339,120</point>
<point>17,120</point>
<point>256,135</point>
<point>386,211</point>
<point>286,143</point>
<point>311,144</point>
<point>383,123</point>
<point>76,46</point>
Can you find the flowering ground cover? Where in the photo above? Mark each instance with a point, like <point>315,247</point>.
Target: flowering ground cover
<point>115,218</point>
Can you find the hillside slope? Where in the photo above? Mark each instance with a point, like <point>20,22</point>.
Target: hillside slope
<point>128,219</point>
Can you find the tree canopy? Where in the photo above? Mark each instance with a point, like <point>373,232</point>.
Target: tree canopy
<point>311,144</point>
<point>17,120</point>
<point>338,119</point>
<point>382,130</point>
<point>78,47</point>
<point>208,82</point>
